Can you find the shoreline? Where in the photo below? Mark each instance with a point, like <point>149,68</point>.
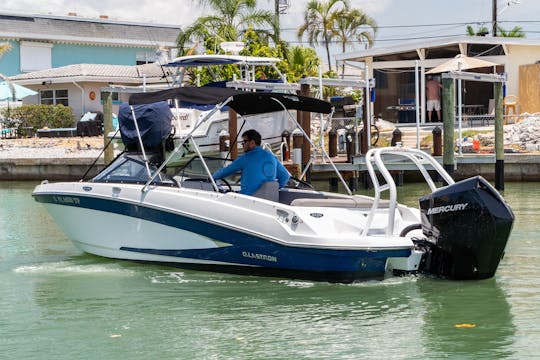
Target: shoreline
<point>68,159</point>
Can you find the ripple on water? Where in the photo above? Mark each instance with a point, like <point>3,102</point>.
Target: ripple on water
<point>67,268</point>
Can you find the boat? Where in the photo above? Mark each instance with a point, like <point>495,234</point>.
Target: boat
<point>140,208</point>
<point>187,114</point>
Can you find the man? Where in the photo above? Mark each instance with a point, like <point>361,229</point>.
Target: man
<point>433,97</point>
<point>257,165</point>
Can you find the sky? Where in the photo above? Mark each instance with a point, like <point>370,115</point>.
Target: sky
<point>399,21</point>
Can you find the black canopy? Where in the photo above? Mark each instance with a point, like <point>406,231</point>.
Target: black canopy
<point>243,102</point>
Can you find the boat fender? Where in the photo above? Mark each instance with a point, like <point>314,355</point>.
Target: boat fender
<point>409,228</point>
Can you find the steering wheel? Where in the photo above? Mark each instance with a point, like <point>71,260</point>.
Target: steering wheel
<point>229,187</point>
<point>299,182</point>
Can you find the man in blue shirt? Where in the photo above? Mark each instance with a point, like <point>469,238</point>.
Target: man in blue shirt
<point>257,165</point>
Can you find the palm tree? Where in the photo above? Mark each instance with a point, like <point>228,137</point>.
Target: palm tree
<point>301,62</point>
<point>482,31</point>
<point>229,20</point>
<point>354,25</point>
<point>515,32</point>
<point>318,22</point>
<point>4,48</point>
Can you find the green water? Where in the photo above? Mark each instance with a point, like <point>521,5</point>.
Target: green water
<point>58,303</point>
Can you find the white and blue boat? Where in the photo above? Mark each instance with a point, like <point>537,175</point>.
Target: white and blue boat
<point>139,208</point>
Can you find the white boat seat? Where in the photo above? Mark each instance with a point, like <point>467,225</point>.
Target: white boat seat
<point>342,203</point>
<point>268,190</point>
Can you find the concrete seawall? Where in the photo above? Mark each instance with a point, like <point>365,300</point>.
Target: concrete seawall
<point>518,167</point>
<point>48,168</point>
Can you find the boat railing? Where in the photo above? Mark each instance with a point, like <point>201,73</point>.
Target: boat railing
<point>375,161</point>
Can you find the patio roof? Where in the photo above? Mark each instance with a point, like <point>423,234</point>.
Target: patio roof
<point>446,47</point>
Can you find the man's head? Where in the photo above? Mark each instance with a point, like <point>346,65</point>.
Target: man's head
<point>250,140</point>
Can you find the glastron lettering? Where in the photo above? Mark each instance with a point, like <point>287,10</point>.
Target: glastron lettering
<point>264,257</point>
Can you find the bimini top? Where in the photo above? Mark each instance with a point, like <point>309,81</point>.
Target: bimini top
<point>243,102</point>
<point>209,60</point>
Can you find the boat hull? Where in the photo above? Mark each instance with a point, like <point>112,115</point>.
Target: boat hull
<point>122,229</point>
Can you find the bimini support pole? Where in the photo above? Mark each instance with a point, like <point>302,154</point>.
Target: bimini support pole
<point>186,139</point>
<point>140,141</point>
<point>315,147</point>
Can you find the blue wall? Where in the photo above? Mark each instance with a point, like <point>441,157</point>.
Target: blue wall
<point>9,63</point>
<point>68,54</point>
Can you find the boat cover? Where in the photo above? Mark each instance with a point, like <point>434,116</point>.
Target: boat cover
<point>154,121</point>
<point>243,102</point>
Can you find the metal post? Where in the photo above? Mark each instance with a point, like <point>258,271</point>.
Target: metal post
<point>499,137</point>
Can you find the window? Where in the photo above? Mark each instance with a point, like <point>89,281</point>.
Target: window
<point>114,96</point>
<point>35,56</point>
<point>54,97</point>
<point>144,57</point>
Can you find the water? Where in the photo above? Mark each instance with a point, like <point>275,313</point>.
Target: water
<point>58,303</point>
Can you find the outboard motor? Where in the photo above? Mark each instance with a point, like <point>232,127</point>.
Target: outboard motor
<point>467,225</point>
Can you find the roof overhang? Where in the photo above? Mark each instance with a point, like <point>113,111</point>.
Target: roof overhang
<point>80,79</point>
<point>417,50</point>
<point>87,40</point>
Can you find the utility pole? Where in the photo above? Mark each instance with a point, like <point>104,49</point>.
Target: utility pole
<point>494,18</point>
<point>280,7</point>
<point>276,8</point>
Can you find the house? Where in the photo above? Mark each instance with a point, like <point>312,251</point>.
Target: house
<point>42,42</point>
<point>68,59</point>
<point>394,70</point>
<point>79,86</point>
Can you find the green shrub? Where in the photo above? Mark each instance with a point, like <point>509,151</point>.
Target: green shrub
<point>39,116</point>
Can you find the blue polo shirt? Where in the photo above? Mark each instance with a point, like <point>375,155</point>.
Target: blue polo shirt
<point>257,166</point>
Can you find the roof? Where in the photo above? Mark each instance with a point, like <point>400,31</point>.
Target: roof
<point>94,72</point>
<point>74,29</point>
<point>478,42</point>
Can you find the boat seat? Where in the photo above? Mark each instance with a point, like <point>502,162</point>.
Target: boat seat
<point>342,203</point>
<point>268,190</point>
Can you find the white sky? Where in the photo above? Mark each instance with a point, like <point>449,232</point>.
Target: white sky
<point>396,18</point>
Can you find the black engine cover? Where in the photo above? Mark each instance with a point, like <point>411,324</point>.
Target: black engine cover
<point>467,225</point>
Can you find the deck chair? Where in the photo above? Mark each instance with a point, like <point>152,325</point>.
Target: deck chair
<point>268,190</point>
<point>510,102</point>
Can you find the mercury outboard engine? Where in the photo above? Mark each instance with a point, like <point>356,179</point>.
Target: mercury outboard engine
<point>467,225</point>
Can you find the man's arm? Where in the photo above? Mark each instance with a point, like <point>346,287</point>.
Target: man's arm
<point>230,169</point>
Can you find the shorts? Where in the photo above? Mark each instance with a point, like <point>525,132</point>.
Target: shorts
<point>433,105</point>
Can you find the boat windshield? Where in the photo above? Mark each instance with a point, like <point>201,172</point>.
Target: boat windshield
<point>194,169</point>
<point>130,168</point>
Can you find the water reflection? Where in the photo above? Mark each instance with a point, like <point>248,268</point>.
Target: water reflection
<point>466,319</point>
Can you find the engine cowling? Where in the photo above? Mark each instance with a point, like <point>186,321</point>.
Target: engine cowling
<point>467,225</point>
